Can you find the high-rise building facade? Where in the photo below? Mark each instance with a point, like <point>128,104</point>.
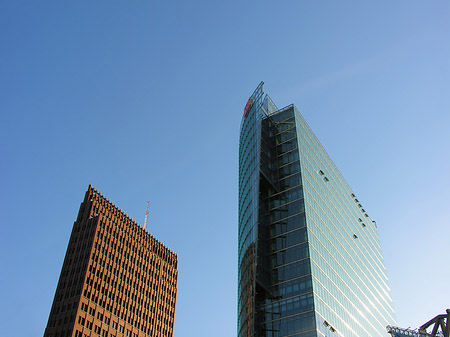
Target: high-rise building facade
<point>310,261</point>
<point>117,280</point>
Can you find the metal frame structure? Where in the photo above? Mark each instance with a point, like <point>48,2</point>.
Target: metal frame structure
<point>440,321</point>
<point>401,332</point>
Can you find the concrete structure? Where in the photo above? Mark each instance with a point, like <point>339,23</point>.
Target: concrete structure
<point>310,261</point>
<point>117,280</point>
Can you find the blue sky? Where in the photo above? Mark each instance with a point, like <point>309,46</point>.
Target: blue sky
<point>144,101</point>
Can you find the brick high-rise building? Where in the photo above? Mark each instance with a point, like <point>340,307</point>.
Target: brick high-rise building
<point>117,280</point>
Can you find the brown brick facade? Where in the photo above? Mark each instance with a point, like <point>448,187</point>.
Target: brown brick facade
<point>117,280</point>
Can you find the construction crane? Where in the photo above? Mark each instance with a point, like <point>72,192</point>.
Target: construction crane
<point>441,328</point>
<point>146,215</point>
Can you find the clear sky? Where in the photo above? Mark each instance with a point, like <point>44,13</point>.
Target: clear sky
<point>144,100</point>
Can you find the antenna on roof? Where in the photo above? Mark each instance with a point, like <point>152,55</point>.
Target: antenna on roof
<point>146,215</point>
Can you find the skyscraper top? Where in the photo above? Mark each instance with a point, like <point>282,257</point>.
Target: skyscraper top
<point>157,246</point>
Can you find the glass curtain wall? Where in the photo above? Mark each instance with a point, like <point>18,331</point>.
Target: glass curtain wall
<point>275,287</point>
<point>351,292</point>
<point>310,261</point>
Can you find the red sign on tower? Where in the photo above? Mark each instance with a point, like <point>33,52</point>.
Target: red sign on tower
<point>248,106</point>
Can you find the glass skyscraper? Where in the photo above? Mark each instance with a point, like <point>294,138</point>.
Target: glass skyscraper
<point>310,261</point>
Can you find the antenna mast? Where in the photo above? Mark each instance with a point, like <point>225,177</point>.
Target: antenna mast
<point>146,215</point>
